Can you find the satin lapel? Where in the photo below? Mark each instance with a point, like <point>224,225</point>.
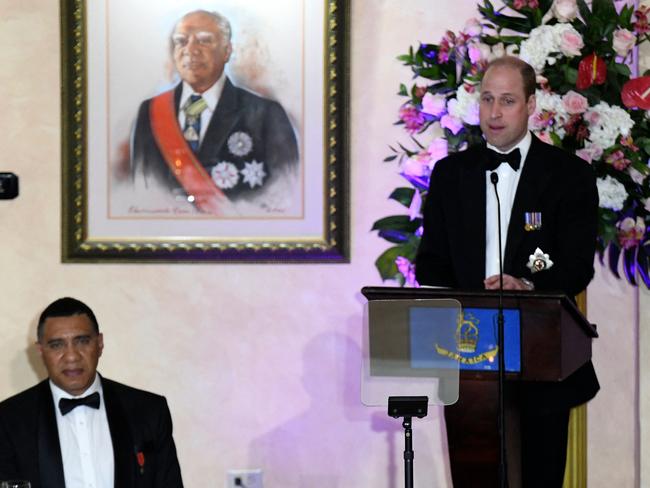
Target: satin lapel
<point>223,120</point>
<point>50,462</point>
<point>123,444</point>
<point>472,195</point>
<point>534,178</point>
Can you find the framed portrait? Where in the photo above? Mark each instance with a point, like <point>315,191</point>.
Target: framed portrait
<point>197,130</point>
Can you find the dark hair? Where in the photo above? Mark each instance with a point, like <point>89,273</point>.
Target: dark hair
<point>528,76</point>
<point>65,307</point>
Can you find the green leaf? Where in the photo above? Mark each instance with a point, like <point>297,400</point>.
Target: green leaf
<point>642,168</point>
<point>397,222</point>
<point>585,13</point>
<point>385,263</point>
<point>390,158</point>
<point>604,9</point>
<point>622,69</point>
<point>403,195</point>
<point>570,75</point>
<point>403,91</point>
<point>556,139</point>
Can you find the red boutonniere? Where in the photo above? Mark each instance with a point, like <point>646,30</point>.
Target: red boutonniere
<point>140,457</point>
<point>591,71</point>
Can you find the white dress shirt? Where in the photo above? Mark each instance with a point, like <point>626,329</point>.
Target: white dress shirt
<point>211,97</point>
<point>507,187</point>
<point>85,440</point>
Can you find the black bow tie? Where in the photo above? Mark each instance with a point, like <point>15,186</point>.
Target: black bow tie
<point>66,405</point>
<point>513,158</point>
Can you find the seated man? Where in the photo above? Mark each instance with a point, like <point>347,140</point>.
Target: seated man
<point>78,429</point>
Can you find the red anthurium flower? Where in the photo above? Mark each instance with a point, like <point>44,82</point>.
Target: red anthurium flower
<point>591,71</point>
<point>636,93</point>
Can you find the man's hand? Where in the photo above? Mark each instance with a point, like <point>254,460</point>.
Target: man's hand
<point>509,283</point>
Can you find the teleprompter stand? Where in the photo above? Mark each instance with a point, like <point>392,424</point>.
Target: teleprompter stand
<point>408,407</point>
<point>402,365</point>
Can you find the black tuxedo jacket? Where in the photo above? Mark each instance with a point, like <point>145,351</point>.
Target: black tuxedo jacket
<point>452,250</point>
<point>139,421</point>
<point>263,120</point>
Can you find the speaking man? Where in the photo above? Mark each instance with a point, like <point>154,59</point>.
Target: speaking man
<point>549,204</point>
<point>78,429</point>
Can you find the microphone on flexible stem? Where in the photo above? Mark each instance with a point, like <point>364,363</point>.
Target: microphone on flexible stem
<point>503,473</point>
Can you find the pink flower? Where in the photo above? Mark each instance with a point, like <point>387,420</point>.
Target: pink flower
<point>640,21</point>
<point>592,117</point>
<point>571,43</point>
<point>475,53</point>
<point>412,118</point>
<point>636,176</point>
<point>627,141</point>
<point>590,153</point>
<point>574,103</point>
<point>407,269</point>
<point>618,160</point>
<point>416,204</point>
<point>624,40</point>
<point>565,10</point>
<point>454,124</point>
<point>438,149</point>
<point>473,28</point>
<point>542,120</point>
<point>630,232</point>
<point>585,154</point>
<point>435,105</point>
<point>544,137</point>
<point>418,165</point>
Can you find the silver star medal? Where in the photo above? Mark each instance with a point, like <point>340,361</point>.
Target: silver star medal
<point>240,144</point>
<point>538,261</point>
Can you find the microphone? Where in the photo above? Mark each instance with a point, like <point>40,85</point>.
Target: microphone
<point>503,472</point>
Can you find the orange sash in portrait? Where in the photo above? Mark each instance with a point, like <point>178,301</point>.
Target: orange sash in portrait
<point>180,158</point>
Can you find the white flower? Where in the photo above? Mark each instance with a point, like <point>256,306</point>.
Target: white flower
<point>253,173</point>
<point>416,204</point>
<point>606,123</point>
<point>473,28</point>
<point>562,10</point>
<point>550,113</point>
<point>225,175</point>
<point>636,176</point>
<point>438,149</point>
<point>611,193</point>
<point>240,144</point>
<point>546,42</point>
<point>465,106</point>
<point>623,41</point>
<point>434,104</point>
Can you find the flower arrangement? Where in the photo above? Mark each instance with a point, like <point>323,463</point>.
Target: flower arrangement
<point>587,103</point>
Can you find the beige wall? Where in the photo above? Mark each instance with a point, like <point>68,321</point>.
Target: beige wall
<point>260,363</point>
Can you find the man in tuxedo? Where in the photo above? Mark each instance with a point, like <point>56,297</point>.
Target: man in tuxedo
<point>549,204</point>
<point>78,429</point>
<point>207,141</point>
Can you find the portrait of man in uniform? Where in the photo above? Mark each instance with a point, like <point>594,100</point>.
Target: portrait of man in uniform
<point>208,146</point>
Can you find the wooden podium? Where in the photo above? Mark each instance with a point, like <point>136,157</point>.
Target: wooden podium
<point>555,340</point>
